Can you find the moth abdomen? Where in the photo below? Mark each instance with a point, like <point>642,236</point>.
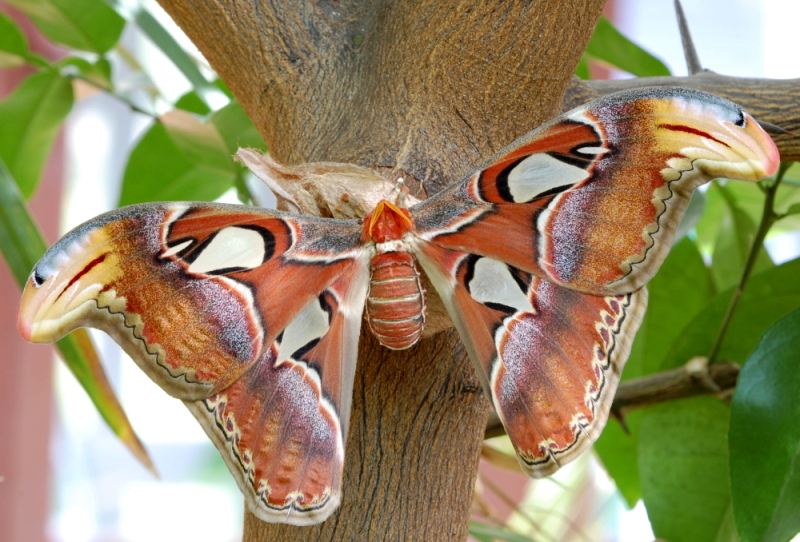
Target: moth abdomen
<point>396,300</point>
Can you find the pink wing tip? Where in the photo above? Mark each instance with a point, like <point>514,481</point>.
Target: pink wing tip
<point>773,157</point>
<point>25,316</point>
<point>24,328</point>
<point>766,148</point>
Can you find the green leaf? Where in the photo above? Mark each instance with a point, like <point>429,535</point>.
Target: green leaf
<point>208,92</point>
<point>708,227</point>
<point>582,70</point>
<point>13,44</point>
<point>684,468</point>
<point>769,296</point>
<point>793,209</point>
<point>735,238</point>
<point>610,46</point>
<point>619,452</point>
<point>97,73</point>
<point>684,277</point>
<point>482,531</point>
<point>32,116</point>
<point>793,173</point>
<point>681,289</point>
<point>20,241</point>
<point>198,141</point>
<point>179,158</point>
<point>749,198</point>
<point>694,212</point>
<point>787,201</point>
<point>236,128</point>
<point>22,245</point>
<point>88,25</point>
<point>765,437</point>
<point>192,103</point>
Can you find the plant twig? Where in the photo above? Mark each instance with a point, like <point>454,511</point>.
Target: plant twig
<point>121,98</point>
<point>768,218</point>
<point>673,384</point>
<point>659,388</point>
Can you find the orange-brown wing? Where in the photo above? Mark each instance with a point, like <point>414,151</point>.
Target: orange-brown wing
<point>250,316</point>
<point>592,200</point>
<point>282,426</point>
<point>549,357</point>
<point>195,293</point>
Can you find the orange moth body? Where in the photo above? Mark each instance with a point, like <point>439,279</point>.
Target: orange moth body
<point>395,298</point>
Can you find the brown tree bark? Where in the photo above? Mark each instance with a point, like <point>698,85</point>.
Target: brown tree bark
<point>424,89</point>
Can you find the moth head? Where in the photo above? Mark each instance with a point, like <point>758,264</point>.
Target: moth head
<point>722,140</point>
<point>387,222</point>
<point>67,283</point>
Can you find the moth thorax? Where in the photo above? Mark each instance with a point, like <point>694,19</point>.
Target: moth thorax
<point>396,300</point>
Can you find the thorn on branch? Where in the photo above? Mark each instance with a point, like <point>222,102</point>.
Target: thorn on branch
<point>689,50</point>
<point>618,415</point>
<point>773,128</point>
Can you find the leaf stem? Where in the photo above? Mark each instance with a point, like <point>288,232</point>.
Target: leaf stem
<point>128,57</point>
<point>119,97</point>
<point>768,218</point>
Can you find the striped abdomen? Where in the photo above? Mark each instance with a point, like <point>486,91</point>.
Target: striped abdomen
<point>396,300</point>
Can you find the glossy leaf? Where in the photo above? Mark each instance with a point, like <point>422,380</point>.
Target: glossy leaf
<point>681,289</point>
<point>611,47</point>
<point>749,198</point>
<point>88,25</point>
<point>734,241</point>
<point>793,209</point>
<point>22,245</point>
<point>179,158</point>
<point>32,116</point>
<point>768,297</point>
<point>709,226</point>
<point>765,437</point>
<point>685,277</point>
<point>13,44</point>
<point>787,201</point>
<point>683,463</point>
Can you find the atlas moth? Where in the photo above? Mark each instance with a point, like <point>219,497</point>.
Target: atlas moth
<point>540,256</point>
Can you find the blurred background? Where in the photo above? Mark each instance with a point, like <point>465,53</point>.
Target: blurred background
<point>70,474</point>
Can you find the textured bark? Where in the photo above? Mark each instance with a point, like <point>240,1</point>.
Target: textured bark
<point>776,101</point>
<point>423,89</point>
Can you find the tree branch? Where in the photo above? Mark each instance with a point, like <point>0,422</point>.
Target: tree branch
<point>776,101</point>
<point>720,378</point>
<point>678,383</point>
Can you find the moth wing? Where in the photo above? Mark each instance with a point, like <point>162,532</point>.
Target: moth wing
<point>592,199</point>
<point>281,428</point>
<point>195,293</point>
<point>250,316</point>
<point>549,357</point>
